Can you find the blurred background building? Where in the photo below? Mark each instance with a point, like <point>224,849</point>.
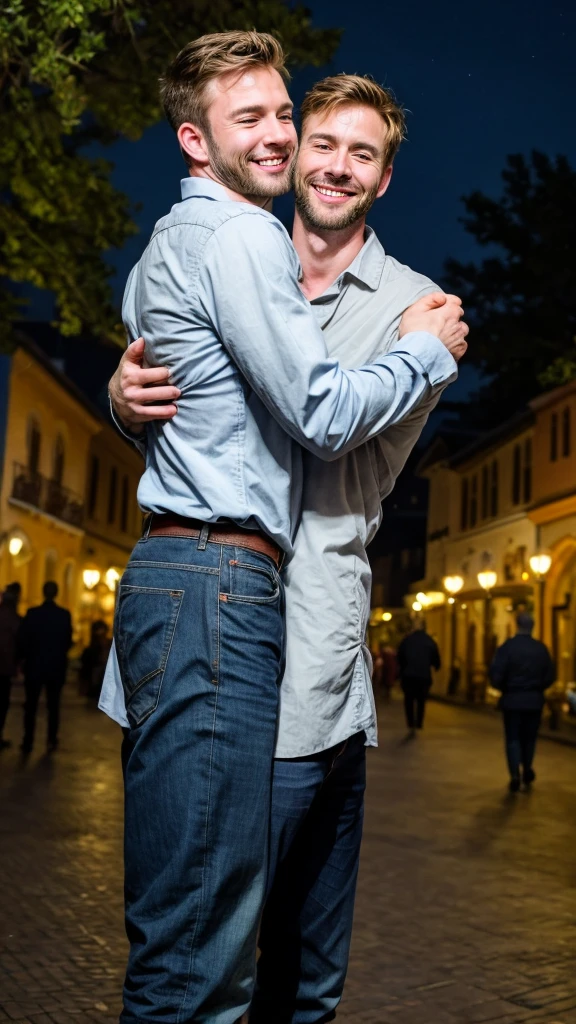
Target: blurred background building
<point>68,482</point>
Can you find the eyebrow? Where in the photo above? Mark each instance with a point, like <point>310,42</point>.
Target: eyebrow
<point>259,109</point>
<point>356,145</point>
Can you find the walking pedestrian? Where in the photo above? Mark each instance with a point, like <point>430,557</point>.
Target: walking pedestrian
<point>44,639</point>
<point>9,625</point>
<point>522,669</point>
<point>418,654</point>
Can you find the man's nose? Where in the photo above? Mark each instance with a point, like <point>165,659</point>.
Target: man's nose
<point>278,133</point>
<point>339,165</point>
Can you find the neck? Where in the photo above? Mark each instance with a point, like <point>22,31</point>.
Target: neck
<point>264,202</point>
<point>325,254</point>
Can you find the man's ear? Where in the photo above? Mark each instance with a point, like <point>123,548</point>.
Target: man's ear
<point>384,182</point>
<point>193,144</point>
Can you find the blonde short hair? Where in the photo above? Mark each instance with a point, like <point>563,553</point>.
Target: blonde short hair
<point>183,87</point>
<point>340,90</point>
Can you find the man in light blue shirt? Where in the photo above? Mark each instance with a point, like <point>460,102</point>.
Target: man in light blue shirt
<point>219,279</point>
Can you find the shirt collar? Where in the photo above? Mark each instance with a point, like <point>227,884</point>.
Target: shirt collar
<point>368,265</point>
<point>194,188</point>
<point>365,268</point>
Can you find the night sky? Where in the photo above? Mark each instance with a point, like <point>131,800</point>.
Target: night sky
<point>480,80</point>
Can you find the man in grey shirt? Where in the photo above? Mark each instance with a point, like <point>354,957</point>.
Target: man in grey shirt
<point>358,294</point>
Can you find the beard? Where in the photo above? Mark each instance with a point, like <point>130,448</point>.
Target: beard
<point>237,173</point>
<point>330,218</point>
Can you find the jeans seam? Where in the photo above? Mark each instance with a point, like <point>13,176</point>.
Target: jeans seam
<point>206,828</point>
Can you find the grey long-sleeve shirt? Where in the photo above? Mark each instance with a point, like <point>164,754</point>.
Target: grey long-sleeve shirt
<point>326,692</point>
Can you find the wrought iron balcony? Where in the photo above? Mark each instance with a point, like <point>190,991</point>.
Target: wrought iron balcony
<point>46,495</point>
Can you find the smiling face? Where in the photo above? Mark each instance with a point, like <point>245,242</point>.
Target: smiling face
<point>340,168</point>
<point>250,138</point>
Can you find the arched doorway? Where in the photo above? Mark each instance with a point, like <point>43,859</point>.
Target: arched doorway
<point>560,609</point>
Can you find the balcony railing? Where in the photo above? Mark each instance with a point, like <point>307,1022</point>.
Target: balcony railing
<point>46,495</point>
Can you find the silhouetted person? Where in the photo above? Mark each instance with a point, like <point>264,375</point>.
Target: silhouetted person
<point>94,658</point>
<point>522,669</point>
<point>418,654</point>
<point>9,625</point>
<point>44,639</point>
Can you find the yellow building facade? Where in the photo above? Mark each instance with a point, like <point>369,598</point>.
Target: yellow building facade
<point>494,505</point>
<point>52,526</point>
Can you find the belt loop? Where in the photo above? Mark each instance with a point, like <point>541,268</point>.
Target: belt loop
<point>203,538</point>
<point>147,524</point>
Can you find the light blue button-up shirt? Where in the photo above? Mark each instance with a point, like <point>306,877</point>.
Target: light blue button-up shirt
<point>230,452</point>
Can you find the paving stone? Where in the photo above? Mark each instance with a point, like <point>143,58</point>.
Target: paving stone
<point>466,909</point>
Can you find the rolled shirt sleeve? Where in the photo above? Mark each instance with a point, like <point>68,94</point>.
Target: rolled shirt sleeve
<point>275,340</point>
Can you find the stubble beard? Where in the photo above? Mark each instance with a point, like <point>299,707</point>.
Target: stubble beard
<point>237,174</point>
<point>331,219</point>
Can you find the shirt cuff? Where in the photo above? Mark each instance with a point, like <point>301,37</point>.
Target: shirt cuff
<point>437,362</point>
<point>138,439</point>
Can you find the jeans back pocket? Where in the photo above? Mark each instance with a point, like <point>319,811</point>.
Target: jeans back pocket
<point>144,630</point>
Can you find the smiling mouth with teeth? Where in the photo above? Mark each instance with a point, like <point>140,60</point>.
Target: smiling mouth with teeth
<point>274,161</point>
<point>332,192</point>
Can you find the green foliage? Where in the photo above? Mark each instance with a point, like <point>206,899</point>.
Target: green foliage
<point>81,71</point>
<point>521,301</point>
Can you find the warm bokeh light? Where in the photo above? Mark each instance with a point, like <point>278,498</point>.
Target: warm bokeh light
<point>487,579</point>
<point>422,599</point>
<point>540,564</point>
<point>111,578</point>
<point>90,577</point>
<point>453,584</point>
<point>525,575</point>
<point>416,606</point>
<point>386,616</point>
<point>451,600</point>
<point>15,545</point>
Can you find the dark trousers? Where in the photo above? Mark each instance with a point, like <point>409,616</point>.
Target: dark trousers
<point>5,687</point>
<point>521,733</point>
<point>415,697</point>
<point>34,687</point>
<point>316,831</point>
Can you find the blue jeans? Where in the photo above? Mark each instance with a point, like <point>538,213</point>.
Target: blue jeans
<point>317,815</point>
<point>199,634</point>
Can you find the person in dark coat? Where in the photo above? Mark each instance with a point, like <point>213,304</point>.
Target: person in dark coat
<point>44,639</point>
<point>9,625</point>
<point>522,669</point>
<point>418,654</point>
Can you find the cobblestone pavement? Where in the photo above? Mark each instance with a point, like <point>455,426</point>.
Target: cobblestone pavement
<point>466,908</point>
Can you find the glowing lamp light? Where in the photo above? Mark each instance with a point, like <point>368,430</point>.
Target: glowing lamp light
<point>421,599</point>
<point>451,600</point>
<point>464,607</point>
<point>487,579</point>
<point>416,606</point>
<point>386,616</point>
<point>15,545</point>
<point>525,575</point>
<point>111,579</point>
<point>453,584</point>
<point>90,577</point>
<point>540,564</point>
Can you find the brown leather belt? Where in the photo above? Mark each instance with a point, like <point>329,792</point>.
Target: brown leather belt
<point>171,525</point>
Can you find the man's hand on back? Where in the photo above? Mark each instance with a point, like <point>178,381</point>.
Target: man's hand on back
<point>441,315</point>
<point>133,388</point>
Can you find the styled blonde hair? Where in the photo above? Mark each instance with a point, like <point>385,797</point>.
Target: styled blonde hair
<point>183,87</point>
<point>339,90</point>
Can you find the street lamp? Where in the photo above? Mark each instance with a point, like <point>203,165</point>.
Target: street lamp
<point>540,565</point>
<point>453,585</point>
<point>487,580</point>
<point>90,577</point>
<point>15,545</point>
